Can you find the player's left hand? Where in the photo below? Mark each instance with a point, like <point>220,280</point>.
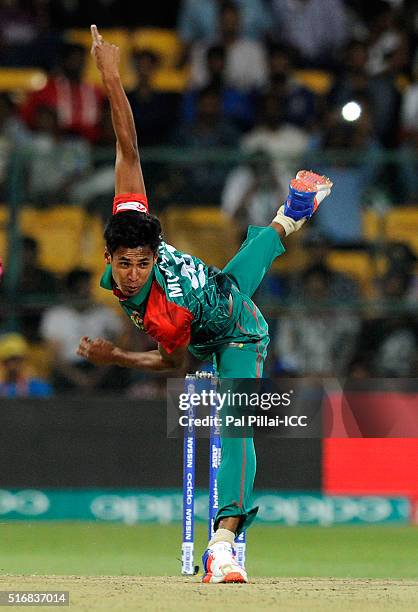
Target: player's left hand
<point>98,350</point>
<point>106,55</point>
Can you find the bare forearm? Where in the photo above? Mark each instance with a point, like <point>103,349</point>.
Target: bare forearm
<point>122,118</point>
<point>150,361</point>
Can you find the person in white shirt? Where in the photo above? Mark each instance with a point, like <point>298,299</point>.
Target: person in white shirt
<point>63,325</point>
<point>246,59</point>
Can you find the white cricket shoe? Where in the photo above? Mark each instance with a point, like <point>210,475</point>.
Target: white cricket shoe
<point>221,566</point>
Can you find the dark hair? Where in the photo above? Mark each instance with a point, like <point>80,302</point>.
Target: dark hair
<point>131,229</point>
<point>320,270</point>
<point>149,54</point>
<point>29,244</point>
<point>75,276</point>
<point>215,51</point>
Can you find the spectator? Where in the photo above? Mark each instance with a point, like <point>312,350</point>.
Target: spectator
<point>253,192</point>
<point>155,112</point>
<point>380,92</point>
<point>12,133</point>
<point>78,105</point>
<point>202,183</point>
<point>284,142</point>
<point>352,172</point>
<point>317,29</point>
<point>352,82</point>
<point>318,340</point>
<point>388,344</point>
<point>34,286</point>
<point>15,377</point>
<point>388,42</point>
<point>246,62</point>
<point>342,288</point>
<point>34,280</point>
<point>409,135</point>
<point>62,327</point>
<point>199,19</point>
<point>238,106</point>
<point>97,188</point>
<point>57,160</point>
<point>299,103</point>
<point>18,31</point>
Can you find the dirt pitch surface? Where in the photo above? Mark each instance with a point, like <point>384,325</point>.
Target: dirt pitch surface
<point>129,593</point>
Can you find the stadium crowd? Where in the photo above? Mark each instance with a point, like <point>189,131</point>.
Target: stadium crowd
<point>268,86</point>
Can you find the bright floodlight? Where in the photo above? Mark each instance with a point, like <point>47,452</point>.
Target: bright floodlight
<point>351,111</point>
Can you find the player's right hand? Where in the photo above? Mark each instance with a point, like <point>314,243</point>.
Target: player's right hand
<point>106,55</point>
<point>98,350</point>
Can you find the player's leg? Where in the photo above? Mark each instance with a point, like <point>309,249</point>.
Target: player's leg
<point>248,267</point>
<point>262,245</point>
<point>237,470</point>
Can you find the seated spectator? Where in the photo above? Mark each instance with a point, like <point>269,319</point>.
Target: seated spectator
<point>353,172</point>
<point>202,182</point>
<point>409,136</point>
<point>380,92</point>
<point>12,133</point>
<point>15,377</point>
<point>57,159</point>
<point>155,112</point>
<point>282,141</point>
<point>388,45</point>
<point>342,288</point>
<point>388,343</point>
<point>97,188</point>
<point>78,105</point>
<point>18,31</point>
<point>352,81</point>
<point>246,62</point>
<point>238,106</point>
<point>320,339</point>
<point>317,29</point>
<point>299,102</point>
<point>35,285</point>
<point>34,280</point>
<point>253,192</point>
<point>198,19</point>
<point>62,327</point>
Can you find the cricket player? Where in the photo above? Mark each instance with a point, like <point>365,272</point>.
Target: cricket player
<point>187,306</point>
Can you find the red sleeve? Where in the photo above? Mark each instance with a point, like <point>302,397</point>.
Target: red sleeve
<point>167,322</point>
<point>130,201</point>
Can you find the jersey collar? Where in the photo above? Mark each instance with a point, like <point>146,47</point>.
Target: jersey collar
<point>108,283</point>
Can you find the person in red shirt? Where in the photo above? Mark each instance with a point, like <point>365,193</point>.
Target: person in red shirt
<point>78,104</point>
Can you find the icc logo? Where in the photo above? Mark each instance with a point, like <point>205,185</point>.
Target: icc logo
<point>137,320</point>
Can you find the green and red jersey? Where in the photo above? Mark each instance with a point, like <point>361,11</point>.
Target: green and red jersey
<point>185,302</point>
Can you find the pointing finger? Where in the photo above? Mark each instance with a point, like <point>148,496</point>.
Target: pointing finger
<point>97,38</point>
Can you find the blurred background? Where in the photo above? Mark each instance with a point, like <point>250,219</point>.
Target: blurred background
<point>230,99</point>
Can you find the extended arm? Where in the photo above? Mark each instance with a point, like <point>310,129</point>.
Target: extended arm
<point>128,173</point>
<point>103,352</point>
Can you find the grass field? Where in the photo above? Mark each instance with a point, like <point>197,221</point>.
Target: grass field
<point>112,567</point>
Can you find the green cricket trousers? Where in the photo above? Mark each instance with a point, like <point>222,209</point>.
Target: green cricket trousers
<point>244,360</point>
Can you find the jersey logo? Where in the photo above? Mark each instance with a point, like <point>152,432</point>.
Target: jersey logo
<point>137,320</point>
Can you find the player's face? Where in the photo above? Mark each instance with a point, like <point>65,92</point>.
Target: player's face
<point>131,268</point>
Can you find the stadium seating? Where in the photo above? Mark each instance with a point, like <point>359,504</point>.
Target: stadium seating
<point>357,264</point>
<point>21,79</point>
<point>59,231</point>
<point>116,36</point>
<point>319,81</point>
<point>204,231</point>
<point>168,47</point>
<point>163,42</point>
<point>401,225</point>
